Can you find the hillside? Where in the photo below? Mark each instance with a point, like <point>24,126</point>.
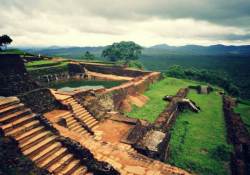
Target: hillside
<point>232,61</point>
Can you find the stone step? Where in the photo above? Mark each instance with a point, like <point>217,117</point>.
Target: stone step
<point>45,153</point>
<point>93,124</point>
<point>52,156</point>
<point>77,128</point>
<point>67,116</point>
<point>18,122</point>
<point>84,117</point>
<point>8,101</point>
<point>80,170</point>
<point>61,163</point>
<point>74,168</point>
<point>77,125</point>
<point>40,146</point>
<point>71,121</point>
<point>32,141</point>
<point>67,170</point>
<point>69,100</point>
<point>81,131</point>
<point>11,109</point>
<point>76,107</point>
<point>11,117</point>
<point>88,119</point>
<point>79,111</point>
<point>73,124</point>
<point>83,113</point>
<point>64,115</point>
<point>24,128</point>
<point>29,134</point>
<point>49,156</point>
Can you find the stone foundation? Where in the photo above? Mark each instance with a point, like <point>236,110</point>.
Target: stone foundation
<point>237,135</point>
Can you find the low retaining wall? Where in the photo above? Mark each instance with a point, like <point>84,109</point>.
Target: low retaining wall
<point>64,76</point>
<point>115,70</point>
<point>167,118</point>
<point>238,136</point>
<point>136,86</point>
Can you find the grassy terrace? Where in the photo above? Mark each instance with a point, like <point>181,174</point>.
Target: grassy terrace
<point>244,110</point>
<point>198,141</point>
<point>44,67</point>
<point>157,91</point>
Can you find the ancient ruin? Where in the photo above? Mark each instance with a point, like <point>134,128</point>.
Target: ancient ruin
<point>85,131</point>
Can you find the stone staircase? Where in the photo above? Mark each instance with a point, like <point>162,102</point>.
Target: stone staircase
<point>35,141</point>
<point>82,114</point>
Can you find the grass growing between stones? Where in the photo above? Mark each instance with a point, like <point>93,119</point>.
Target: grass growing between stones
<point>155,105</point>
<point>244,110</point>
<point>198,141</point>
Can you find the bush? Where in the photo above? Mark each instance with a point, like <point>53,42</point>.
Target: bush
<point>217,78</point>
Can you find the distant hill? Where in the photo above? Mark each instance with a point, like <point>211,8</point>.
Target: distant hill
<point>67,52</point>
<point>200,50</point>
<point>161,49</point>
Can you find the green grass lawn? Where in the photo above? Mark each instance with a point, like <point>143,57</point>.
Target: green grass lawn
<point>45,67</point>
<point>167,86</point>
<point>244,110</point>
<point>198,141</point>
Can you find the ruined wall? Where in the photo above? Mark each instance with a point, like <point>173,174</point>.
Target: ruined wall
<point>98,104</point>
<point>238,136</point>
<point>60,77</point>
<point>136,86</point>
<point>14,78</point>
<point>115,70</point>
<point>167,118</point>
<point>40,101</point>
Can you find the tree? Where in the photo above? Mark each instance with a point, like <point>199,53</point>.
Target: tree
<point>124,50</point>
<point>4,41</point>
<point>89,56</point>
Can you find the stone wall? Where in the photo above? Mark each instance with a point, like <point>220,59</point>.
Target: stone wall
<point>41,101</point>
<point>98,104</point>
<point>14,78</point>
<point>136,86</point>
<point>115,70</point>
<point>60,77</point>
<point>239,136</point>
<point>167,118</point>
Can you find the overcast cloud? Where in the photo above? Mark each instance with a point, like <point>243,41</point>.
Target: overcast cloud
<point>147,22</point>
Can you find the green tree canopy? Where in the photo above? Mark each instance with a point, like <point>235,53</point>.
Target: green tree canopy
<point>89,56</point>
<point>124,50</point>
<point>4,41</point>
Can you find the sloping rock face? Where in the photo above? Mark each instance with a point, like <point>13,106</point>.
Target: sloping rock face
<point>14,78</point>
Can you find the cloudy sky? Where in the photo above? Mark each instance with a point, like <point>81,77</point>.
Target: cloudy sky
<point>147,22</point>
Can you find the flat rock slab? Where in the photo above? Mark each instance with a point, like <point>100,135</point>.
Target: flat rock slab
<point>152,139</point>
